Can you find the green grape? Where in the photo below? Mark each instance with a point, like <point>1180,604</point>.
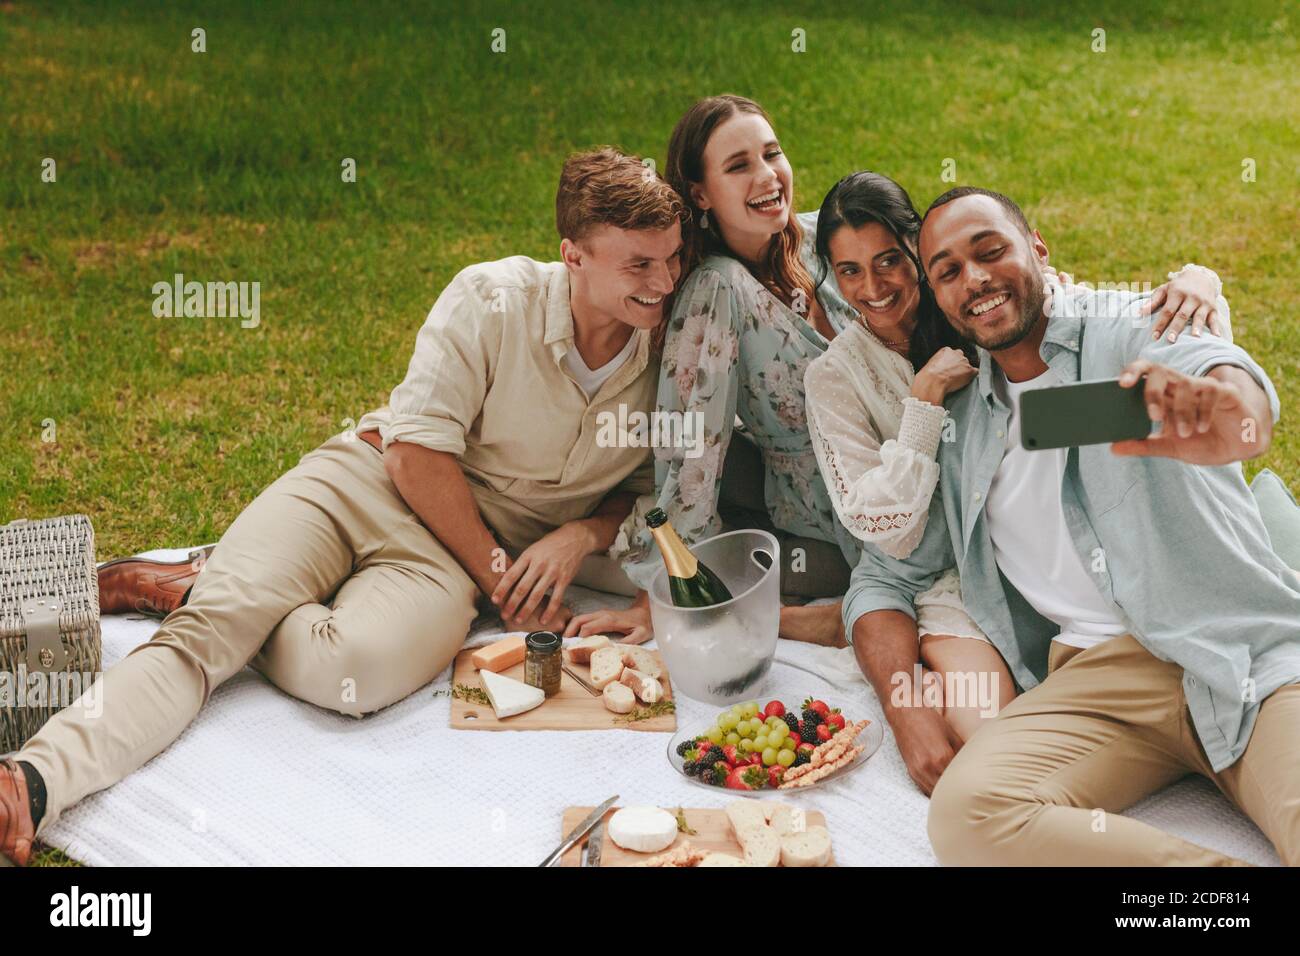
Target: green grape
<point>732,739</point>
<point>761,741</point>
<point>750,709</point>
<point>727,721</point>
<point>782,730</point>
<point>745,746</point>
<point>715,735</point>
<point>745,728</point>
<point>785,757</point>
<point>769,757</point>
<point>789,743</point>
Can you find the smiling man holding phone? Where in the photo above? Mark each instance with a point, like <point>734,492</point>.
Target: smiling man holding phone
<point>1135,597</point>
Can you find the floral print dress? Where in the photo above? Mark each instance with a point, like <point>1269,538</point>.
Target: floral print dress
<point>734,349</point>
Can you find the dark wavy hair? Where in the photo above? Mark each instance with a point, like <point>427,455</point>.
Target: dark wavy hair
<point>863,197</point>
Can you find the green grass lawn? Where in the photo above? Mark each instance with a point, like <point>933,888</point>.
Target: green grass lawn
<point>225,165</point>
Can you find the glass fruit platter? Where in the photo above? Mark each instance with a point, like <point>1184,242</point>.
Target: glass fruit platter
<point>755,749</point>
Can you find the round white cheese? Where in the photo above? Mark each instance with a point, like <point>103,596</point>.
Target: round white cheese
<point>643,829</point>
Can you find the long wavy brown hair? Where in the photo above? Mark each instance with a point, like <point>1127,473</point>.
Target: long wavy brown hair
<point>781,270</point>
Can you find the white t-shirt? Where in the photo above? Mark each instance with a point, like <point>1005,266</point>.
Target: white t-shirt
<point>590,380</point>
<point>1031,540</point>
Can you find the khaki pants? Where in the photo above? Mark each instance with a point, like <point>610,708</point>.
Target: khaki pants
<point>327,583</point>
<point>1043,783</point>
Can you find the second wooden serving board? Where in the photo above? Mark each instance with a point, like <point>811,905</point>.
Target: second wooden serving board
<point>712,832</point>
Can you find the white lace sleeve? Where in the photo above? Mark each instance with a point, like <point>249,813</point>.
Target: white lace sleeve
<point>881,491</point>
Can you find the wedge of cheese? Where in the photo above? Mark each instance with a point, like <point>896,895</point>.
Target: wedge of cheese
<point>509,696</point>
<point>500,655</point>
<point>606,666</point>
<point>579,652</point>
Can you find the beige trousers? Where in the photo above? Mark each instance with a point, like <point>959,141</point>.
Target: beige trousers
<point>1044,782</point>
<point>327,583</point>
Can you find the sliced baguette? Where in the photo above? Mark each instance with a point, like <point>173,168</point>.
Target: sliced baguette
<point>579,652</point>
<point>640,659</point>
<point>762,847</point>
<point>810,848</point>
<point>722,859</point>
<point>745,815</point>
<point>785,819</point>
<point>606,667</point>
<point>618,697</point>
<point>647,689</point>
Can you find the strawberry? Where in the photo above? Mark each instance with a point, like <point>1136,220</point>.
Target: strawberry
<point>820,706</point>
<point>756,777</point>
<point>835,719</point>
<point>746,778</point>
<point>756,759</point>
<point>823,733</point>
<point>774,709</point>
<point>775,775</point>
<point>805,749</point>
<point>736,781</point>
<point>732,755</point>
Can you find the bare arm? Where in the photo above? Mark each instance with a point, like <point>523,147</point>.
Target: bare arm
<point>607,518</point>
<point>886,646</point>
<point>434,487</point>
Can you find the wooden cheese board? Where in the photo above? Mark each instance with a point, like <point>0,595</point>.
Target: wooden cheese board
<point>712,832</point>
<point>573,708</point>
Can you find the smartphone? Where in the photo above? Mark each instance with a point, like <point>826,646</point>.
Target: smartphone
<point>1086,413</point>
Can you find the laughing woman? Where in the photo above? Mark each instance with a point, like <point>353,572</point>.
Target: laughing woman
<point>746,324</point>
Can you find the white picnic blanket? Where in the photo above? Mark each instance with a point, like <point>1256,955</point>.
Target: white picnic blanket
<point>262,778</point>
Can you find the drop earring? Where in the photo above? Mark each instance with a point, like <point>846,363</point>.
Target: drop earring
<point>704,220</point>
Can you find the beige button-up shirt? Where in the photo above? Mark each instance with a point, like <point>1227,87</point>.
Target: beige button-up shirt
<point>487,382</point>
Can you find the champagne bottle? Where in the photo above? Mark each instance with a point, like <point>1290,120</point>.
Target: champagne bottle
<point>690,582</point>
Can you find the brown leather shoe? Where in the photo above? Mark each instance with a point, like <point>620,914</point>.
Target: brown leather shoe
<point>154,588</point>
<point>16,829</point>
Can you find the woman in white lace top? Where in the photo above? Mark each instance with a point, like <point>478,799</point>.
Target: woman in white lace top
<point>876,424</point>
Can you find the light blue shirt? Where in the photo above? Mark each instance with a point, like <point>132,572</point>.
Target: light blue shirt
<point>1187,561</point>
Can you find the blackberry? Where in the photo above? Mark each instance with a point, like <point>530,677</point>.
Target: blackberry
<point>811,717</point>
<point>715,775</point>
<point>801,759</point>
<point>791,721</point>
<point>809,734</point>
<point>684,746</point>
<point>691,768</point>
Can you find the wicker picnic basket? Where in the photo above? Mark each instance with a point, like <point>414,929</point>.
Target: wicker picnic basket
<point>49,620</point>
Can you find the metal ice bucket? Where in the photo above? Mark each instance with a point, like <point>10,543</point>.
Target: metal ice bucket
<point>720,654</point>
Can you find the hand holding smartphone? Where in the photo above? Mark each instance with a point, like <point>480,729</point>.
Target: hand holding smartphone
<point>1084,413</point>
